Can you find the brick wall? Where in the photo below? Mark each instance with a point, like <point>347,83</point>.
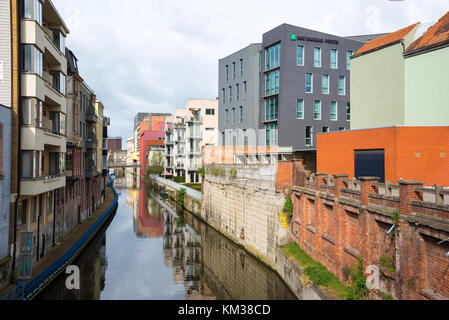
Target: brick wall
<point>336,220</point>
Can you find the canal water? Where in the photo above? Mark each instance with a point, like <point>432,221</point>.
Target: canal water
<point>154,250</point>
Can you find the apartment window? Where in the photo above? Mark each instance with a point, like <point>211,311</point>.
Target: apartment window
<point>271,108</point>
<point>58,81</point>
<point>334,110</point>
<point>237,91</point>
<point>348,111</point>
<point>233,115</point>
<point>272,82</point>
<point>22,213</point>
<point>245,141</point>
<point>32,59</point>
<point>233,70</point>
<point>341,85</point>
<point>227,72</point>
<point>309,136</point>
<point>32,9</point>
<point>271,134</point>
<point>245,89</point>
<point>32,164</point>
<point>309,83</point>
<point>317,110</point>
<point>210,112</point>
<point>334,58</point>
<point>59,40</point>
<point>300,109</point>
<point>32,112</point>
<point>325,84</point>
<point>317,57</point>
<point>223,95</point>
<point>325,129</point>
<point>300,55</point>
<point>272,56</point>
<point>349,53</point>
<point>241,67</point>
<point>341,129</point>
<point>230,94</point>
<point>241,114</point>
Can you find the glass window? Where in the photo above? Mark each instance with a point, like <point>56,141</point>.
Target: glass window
<point>260,61</point>
<point>334,108</point>
<point>334,58</point>
<point>317,57</point>
<point>348,111</point>
<point>233,115</point>
<point>241,67</point>
<point>309,83</point>
<point>341,85</point>
<point>27,9</point>
<point>226,116</point>
<point>271,108</point>
<point>309,135</point>
<point>325,84</point>
<point>272,82</point>
<point>325,129</point>
<point>237,91</point>
<point>271,134</point>
<point>244,90</point>
<point>210,112</point>
<point>300,55</point>
<point>224,95</point>
<point>317,110</point>
<point>341,129</point>
<point>230,94</point>
<point>227,72</point>
<point>38,12</point>
<point>300,109</point>
<point>349,53</point>
<point>26,58</point>
<point>241,114</point>
<point>22,213</point>
<point>272,56</point>
<point>233,70</point>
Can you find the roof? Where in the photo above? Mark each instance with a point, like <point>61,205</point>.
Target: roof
<point>439,32</point>
<point>385,40</point>
<point>366,37</point>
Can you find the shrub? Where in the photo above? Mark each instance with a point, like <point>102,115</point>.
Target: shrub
<point>180,194</point>
<point>288,207</point>
<point>233,173</point>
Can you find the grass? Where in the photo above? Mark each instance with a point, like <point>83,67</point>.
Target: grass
<point>316,272</point>
<point>195,186</point>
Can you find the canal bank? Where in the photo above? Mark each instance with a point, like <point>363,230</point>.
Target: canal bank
<point>60,256</point>
<point>285,267</point>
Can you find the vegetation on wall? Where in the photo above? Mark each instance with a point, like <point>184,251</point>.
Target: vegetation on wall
<point>358,291</point>
<point>288,207</point>
<point>180,194</point>
<point>233,173</point>
<point>202,172</point>
<point>216,170</point>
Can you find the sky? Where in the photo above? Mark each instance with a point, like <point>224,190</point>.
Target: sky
<point>153,55</point>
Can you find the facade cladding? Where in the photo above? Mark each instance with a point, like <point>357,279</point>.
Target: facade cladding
<point>238,104</point>
<point>5,177</point>
<point>304,85</point>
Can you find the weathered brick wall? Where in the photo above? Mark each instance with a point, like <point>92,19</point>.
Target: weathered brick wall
<point>336,220</point>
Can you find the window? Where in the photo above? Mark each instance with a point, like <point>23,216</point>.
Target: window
<point>334,112</point>
<point>272,82</point>
<point>341,129</point>
<point>32,60</point>
<point>241,114</point>
<point>233,115</point>
<point>233,70</point>
<point>309,83</point>
<point>32,112</point>
<point>210,129</point>
<point>317,57</point>
<point>348,111</point>
<point>349,53</point>
<point>244,90</point>
<point>38,12</point>
<point>317,110</point>
<point>223,95</point>
<point>32,9</point>
<point>272,56</point>
<point>325,129</point>
<point>59,40</point>
<point>241,67</point>
<point>309,136</point>
<point>245,140</point>
<point>341,85</point>
<point>300,55</point>
<point>300,109</point>
<point>271,134</point>
<point>210,112</point>
<point>22,213</point>
<point>32,164</point>
<point>237,91</point>
<point>325,84</point>
<point>227,72</point>
<point>58,81</point>
<point>271,108</point>
<point>226,116</point>
<point>334,58</point>
<point>230,94</point>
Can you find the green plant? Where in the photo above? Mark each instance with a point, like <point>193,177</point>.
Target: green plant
<point>216,170</point>
<point>359,290</point>
<point>202,172</point>
<point>388,263</point>
<point>233,173</point>
<point>385,296</point>
<point>180,194</point>
<point>179,179</point>
<point>396,216</point>
<point>288,207</point>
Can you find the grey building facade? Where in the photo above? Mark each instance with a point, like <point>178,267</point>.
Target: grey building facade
<point>238,104</point>
<point>304,86</point>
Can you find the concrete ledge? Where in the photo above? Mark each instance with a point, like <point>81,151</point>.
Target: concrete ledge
<point>353,252</point>
<point>432,294</point>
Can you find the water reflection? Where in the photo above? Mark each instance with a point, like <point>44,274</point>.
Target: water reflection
<point>155,252</point>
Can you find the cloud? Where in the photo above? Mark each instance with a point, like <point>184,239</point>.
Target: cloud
<point>151,56</point>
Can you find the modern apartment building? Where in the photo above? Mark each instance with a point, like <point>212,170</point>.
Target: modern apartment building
<point>114,144</point>
<point>238,104</point>
<point>304,87</point>
<point>175,143</point>
<point>5,137</point>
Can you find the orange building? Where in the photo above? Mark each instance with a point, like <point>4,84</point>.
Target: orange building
<point>409,153</point>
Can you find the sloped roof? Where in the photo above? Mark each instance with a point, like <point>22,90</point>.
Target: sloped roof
<point>439,32</point>
<point>386,39</point>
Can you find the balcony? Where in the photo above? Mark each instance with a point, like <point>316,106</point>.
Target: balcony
<point>36,138</point>
<point>33,187</point>
<point>90,115</point>
<point>91,141</point>
<point>42,88</point>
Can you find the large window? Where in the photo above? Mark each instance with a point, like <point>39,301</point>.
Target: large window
<point>241,67</point>
<point>334,58</point>
<point>32,60</point>
<point>334,110</point>
<point>32,9</point>
<point>349,53</point>
<point>233,70</point>
<point>309,83</point>
<point>272,82</point>
<point>32,164</point>
<point>271,134</point>
<point>300,109</point>
<point>241,114</point>
<point>309,136</point>
<point>58,81</point>
<point>271,108</point>
<point>226,117</point>
<point>317,57</point>
<point>59,40</point>
<point>348,111</point>
<point>227,72</point>
<point>272,56</point>
<point>245,89</point>
<point>210,112</point>
<point>317,110</point>
<point>341,85</point>
<point>233,115</point>
<point>237,91</point>
<point>325,84</point>
<point>300,55</point>
<point>22,213</point>
<point>32,112</point>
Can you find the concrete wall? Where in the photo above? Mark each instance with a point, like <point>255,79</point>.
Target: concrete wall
<point>426,94</point>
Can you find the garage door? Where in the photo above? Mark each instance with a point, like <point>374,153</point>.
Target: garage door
<point>370,163</point>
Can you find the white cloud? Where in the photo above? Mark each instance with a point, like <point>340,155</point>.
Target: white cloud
<point>151,56</point>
